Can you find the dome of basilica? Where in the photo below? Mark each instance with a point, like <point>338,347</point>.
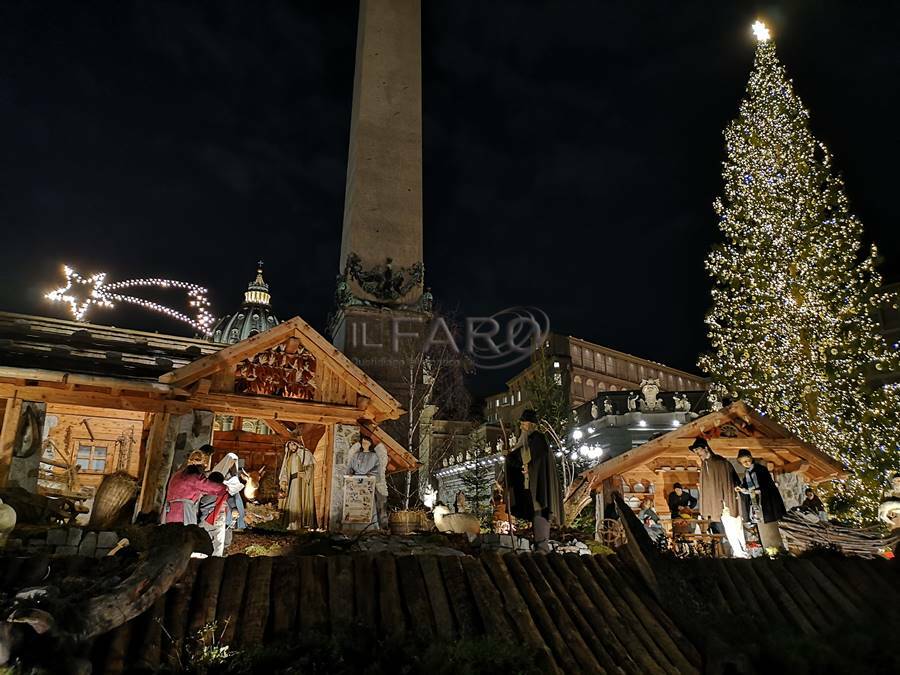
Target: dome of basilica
<point>253,316</point>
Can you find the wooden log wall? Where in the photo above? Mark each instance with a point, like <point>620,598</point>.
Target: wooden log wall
<point>581,614</point>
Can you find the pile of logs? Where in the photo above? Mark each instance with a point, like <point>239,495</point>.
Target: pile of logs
<point>800,534</point>
<point>51,608</point>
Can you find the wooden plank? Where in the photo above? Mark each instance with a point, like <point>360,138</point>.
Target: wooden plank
<point>313,596</point>
<point>393,623</point>
<point>638,543</point>
<point>206,594</point>
<point>231,595</point>
<point>516,608</point>
<point>271,407</point>
<point>680,651</point>
<point>658,644</point>
<point>578,606</point>
<point>437,596</point>
<point>576,651</point>
<point>607,621</point>
<point>886,588</point>
<point>366,591</point>
<point>94,399</point>
<point>839,599</point>
<point>11,415</point>
<point>285,578</point>
<point>117,651</point>
<point>150,645</point>
<point>544,622</point>
<point>256,602</point>
<point>732,596</point>
<point>821,619</point>
<point>460,598</point>
<point>177,610</point>
<point>153,468</point>
<point>784,599</point>
<point>840,576</point>
<point>747,571</point>
<point>340,590</point>
<point>487,600</point>
<point>415,596</point>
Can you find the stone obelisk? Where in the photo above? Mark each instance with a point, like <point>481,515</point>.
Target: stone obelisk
<point>380,283</point>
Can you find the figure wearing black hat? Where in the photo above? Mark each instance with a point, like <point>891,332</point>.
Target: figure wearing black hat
<point>533,488</point>
<point>717,482</point>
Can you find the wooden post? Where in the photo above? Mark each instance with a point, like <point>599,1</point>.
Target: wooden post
<point>152,493</point>
<point>8,436</point>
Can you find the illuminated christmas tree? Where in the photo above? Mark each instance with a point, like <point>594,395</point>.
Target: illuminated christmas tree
<point>792,324</point>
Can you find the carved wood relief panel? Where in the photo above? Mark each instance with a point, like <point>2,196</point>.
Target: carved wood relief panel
<point>286,370</point>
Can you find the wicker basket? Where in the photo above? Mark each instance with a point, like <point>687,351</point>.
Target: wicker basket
<point>404,522</point>
<point>115,491</point>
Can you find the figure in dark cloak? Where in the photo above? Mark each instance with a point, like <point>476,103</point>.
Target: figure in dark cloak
<point>760,495</point>
<point>533,484</point>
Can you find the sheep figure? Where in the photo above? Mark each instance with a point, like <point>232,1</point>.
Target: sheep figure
<point>460,523</point>
<point>7,522</point>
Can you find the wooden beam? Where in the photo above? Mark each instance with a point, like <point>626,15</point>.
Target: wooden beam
<point>279,428</point>
<point>728,444</point>
<point>269,407</point>
<point>800,465</point>
<point>94,399</point>
<point>229,356</point>
<point>8,436</point>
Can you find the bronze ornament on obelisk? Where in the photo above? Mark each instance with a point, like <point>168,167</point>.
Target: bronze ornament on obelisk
<point>381,273</point>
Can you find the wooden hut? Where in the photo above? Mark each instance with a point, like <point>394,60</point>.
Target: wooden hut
<point>653,468</point>
<point>169,390</point>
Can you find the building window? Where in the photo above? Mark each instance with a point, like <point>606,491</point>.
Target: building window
<point>577,387</point>
<point>589,388</point>
<point>588,360</point>
<point>610,367</point>
<point>519,396</point>
<point>576,355</point>
<point>91,458</point>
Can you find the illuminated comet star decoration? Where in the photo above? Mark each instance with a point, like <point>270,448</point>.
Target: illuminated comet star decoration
<point>82,293</point>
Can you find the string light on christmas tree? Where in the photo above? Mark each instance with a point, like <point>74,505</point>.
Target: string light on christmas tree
<point>792,325</point>
<point>81,293</point>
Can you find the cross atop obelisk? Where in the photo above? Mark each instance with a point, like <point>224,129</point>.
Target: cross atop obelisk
<point>381,245</point>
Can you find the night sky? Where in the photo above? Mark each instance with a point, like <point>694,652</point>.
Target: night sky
<point>572,149</point>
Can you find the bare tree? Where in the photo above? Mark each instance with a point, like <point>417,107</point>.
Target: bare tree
<point>432,371</point>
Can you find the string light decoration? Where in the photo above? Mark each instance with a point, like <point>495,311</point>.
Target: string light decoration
<point>81,293</point>
<point>792,324</point>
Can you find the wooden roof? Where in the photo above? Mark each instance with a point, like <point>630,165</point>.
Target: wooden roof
<point>349,384</point>
<point>727,431</point>
<point>40,342</point>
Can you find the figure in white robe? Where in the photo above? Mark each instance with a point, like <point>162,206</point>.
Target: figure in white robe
<point>296,483</point>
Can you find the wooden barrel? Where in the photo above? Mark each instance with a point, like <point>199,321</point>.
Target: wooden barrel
<point>115,490</point>
<point>404,522</point>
